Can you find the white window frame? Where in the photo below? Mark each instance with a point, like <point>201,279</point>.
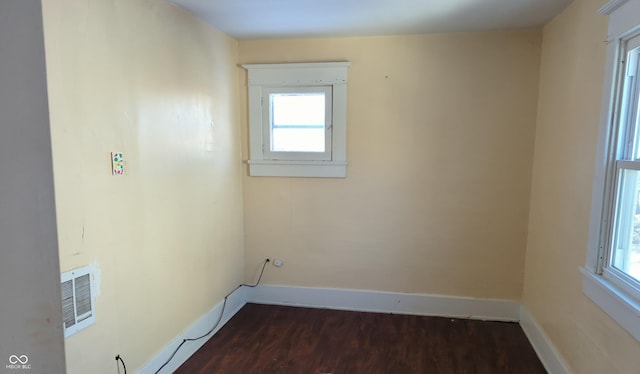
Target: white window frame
<point>267,123</point>
<point>267,78</point>
<point>608,288</point>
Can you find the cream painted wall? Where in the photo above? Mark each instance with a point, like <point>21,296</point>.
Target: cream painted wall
<point>148,79</point>
<point>440,147</point>
<point>573,58</point>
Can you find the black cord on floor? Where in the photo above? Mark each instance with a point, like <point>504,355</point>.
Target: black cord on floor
<point>118,358</point>
<point>224,304</point>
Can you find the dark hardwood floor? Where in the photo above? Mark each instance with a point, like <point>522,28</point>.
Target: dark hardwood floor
<point>277,339</point>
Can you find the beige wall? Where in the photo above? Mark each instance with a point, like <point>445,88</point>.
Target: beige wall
<point>148,79</point>
<point>573,58</point>
<point>440,142</point>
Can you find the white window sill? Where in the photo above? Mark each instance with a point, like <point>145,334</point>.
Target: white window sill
<point>618,305</point>
<point>305,169</point>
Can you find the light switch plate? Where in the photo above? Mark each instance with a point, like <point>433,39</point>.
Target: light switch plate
<point>117,163</point>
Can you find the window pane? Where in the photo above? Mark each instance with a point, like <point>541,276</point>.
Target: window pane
<point>625,255</point>
<point>298,122</point>
<point>630,105</point>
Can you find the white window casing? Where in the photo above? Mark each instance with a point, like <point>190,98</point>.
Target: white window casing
<point>614,291</point>
<point>328,78</point>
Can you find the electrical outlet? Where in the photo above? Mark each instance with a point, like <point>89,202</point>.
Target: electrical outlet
<point>277,262</point>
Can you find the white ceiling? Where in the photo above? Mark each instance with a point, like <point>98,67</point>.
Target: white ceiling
<point>253,19</point>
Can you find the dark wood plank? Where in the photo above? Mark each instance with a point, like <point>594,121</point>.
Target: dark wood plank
<point>288,340</point>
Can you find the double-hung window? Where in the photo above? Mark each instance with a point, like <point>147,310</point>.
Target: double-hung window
<point>298,119</point>
<point>611,276</point>
<point>621,258</point>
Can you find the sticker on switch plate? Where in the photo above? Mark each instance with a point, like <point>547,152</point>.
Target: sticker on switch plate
<point>117,163</point>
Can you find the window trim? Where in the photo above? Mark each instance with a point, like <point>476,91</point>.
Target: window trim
<point>619,299</point>
<point>261,78</point>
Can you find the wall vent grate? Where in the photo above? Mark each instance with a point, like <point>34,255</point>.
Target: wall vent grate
<point>77,300</point>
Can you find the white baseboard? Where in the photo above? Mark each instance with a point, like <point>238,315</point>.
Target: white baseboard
<point>235,302</point>
<point>546,350</point>
<point>386,302</point>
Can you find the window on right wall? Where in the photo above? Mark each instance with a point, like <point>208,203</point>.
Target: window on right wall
<point>611,276</point>
<point>621,260</point>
